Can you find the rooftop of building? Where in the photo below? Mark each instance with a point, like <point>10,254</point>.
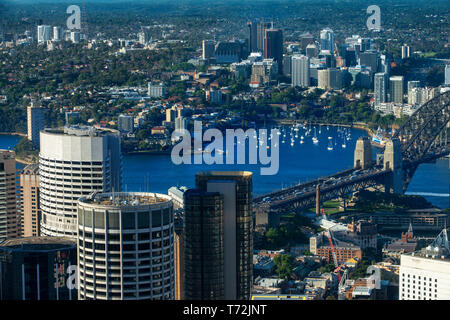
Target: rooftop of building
<point>36,243</point>
<point>124,199</point>
<point>398,245</point>
<point>225,174</point>
<point>31,169</point>
<point>7,154</point>
<point>338,243</point>
<point>178,191</point>
<point>80,131</point>
<point>438,250</point>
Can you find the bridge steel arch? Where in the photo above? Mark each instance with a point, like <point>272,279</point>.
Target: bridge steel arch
<point>419,132</point>
<point>423,126</point>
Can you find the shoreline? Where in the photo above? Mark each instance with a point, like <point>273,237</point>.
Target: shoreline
<point>147,153</point>
<point>359,125</point>
<point>13,134</point>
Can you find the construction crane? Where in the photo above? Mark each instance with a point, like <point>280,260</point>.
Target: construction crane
<point>333,252</point>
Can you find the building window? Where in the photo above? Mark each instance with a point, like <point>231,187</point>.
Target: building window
<point>99,220</point>
<point>128,220</point>
<point>113,221</point>
<point>143,220</point>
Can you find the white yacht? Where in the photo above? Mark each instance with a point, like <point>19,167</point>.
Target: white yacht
<point>330,146</point>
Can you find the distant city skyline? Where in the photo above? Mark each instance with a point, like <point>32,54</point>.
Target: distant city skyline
<point>237,150</point>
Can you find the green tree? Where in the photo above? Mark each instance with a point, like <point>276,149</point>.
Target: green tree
<point>284,265</point>
<point>274,237</point>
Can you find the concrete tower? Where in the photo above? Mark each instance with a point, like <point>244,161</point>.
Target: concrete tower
<point>300,71</point>
<point>9,220</point>
<point>74,162</point>
<point>393,160</point>
<point>128,238</point>
<point>363,153</point>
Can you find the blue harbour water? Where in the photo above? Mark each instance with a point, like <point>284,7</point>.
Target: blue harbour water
<point>297,163</point>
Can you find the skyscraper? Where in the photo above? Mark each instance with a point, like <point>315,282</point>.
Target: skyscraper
<point>311,50</point>
<point>380,88</point>
<point>218,237</point>
<point>300,71</point>
<point>260,34</point>
<point>44,33</point>
<point>74,162</point>
<point>57,33</point>
<point>406,51</point>
<point>447,74</point>
<point>330,78</point>
<point>327,40</point>
<point>29,198</point>
<point>208,47</point>
<point>75,36</point>
<point>228,52</point>
<point>144,36</point>
<point>322,78</point>
<point>287,65</point>
<point>126,247</point>
<point>125,123</point>
<point>252,36</point>
<point>178,240</point>
<point>396,89</point>
<point>305,40</point>
<point>273,46</point>
<point>335,78</point>
<point>35,122</point>
<point>181,123</point>
<point>413,84</point>
<point>203,246</point>
<point>369,59</point>
<point>263,72</point>
<point>384,64</point>
<point>156,90</point>
<point>9,222</point>
<point>36,268</point>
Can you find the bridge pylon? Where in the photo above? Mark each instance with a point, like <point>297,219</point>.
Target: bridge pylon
<point>318,200</point>
<point>393,161</point>
<point>363,153</point>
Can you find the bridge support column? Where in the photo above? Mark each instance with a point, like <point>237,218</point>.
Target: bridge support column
<point>317,200</point>
<point>393,161</point>
<point>363,153</point>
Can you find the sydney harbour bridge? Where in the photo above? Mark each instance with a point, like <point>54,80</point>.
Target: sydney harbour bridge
<point>422,138</point>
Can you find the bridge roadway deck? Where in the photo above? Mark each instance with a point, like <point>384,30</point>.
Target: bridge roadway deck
<point>345,182</point>
<point>304,195</point>
<point>302,186</point>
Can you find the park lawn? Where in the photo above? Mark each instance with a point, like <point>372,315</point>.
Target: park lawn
<point>428,54</point>
<point>330,207</point>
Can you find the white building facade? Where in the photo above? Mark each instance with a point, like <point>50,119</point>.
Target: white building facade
<point>75,162</point>
<point>425,275</point>
<point>44,33</point>
<point>126,247</point>
<point>300,71</point>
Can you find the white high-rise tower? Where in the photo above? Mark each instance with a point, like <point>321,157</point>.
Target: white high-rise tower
<point>300,71</point>
<point>74,162</point>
